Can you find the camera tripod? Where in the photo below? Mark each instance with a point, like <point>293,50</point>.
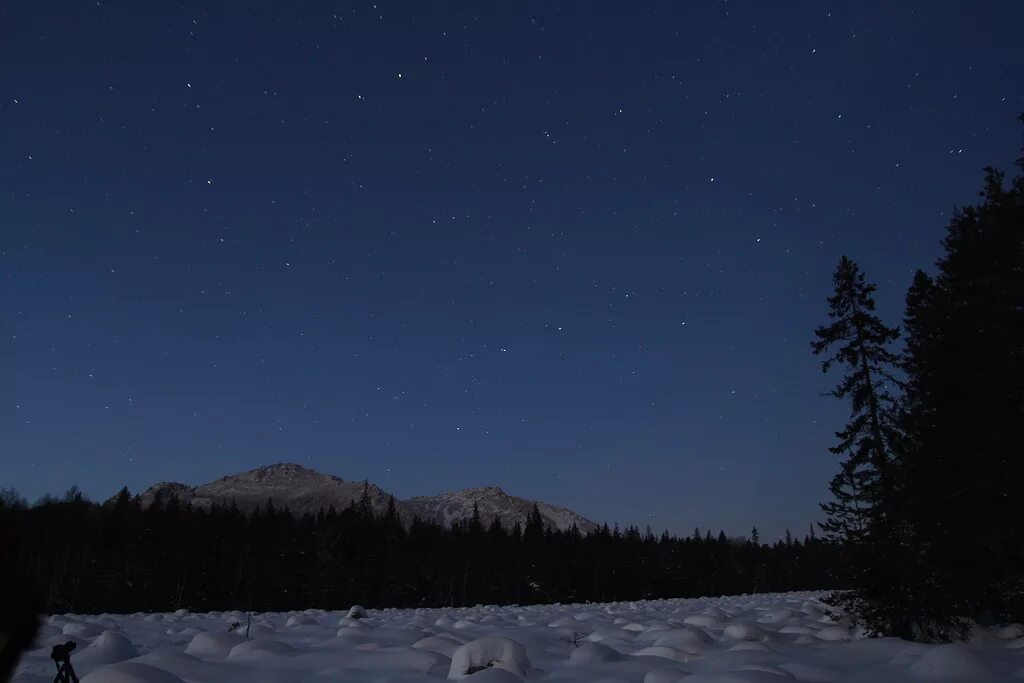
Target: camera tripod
<point>61,656</point>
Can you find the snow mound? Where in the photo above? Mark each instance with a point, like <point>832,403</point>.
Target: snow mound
<point>750,646</point>
<point>212,645</point>
<point>567,622</point>
<point>813,607</point>
<point>82,629</point>
<point>300,620</point>
<point>949,664</point>
<point>776,616</point>
<point>833,633</point>
<point>594,653</point>
<point>663,651</point>
<point>247,647</point>
<point>186,666</point>
<point>1010,631</point>
<point>743,631</point>
<point>704,620</point>
<point>352,635</point>
<point>130,672</point>
<point>258,631</point>
<point>494,676</point>
<point>108,648</point>
<point>356,612</point>
<point>441,644</point>
<point>406,659</point>
<point>501,653</point>
<point>735,660</point>
<point>687,639</point>
<point>798,630</point>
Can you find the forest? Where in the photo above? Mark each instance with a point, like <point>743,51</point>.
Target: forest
<point>120,558</point>
<point>928,498</point>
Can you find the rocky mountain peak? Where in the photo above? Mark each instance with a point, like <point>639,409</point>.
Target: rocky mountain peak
<point>304,490</point>
<point>285,471</point>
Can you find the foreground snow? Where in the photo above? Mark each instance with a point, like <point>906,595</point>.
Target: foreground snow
<point>747,639</point>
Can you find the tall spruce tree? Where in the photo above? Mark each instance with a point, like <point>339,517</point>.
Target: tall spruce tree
<point>365,505</point>
<point>862,515</point>
<point>964,416</point>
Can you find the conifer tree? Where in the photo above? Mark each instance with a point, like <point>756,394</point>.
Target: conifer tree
<point>476,526</point>
<point>365,506</point>
<point>862,517</point>
<point>964,417</point>
<point>534,530</point>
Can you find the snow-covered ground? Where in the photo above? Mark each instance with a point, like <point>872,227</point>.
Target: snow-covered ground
<point>747,639</point>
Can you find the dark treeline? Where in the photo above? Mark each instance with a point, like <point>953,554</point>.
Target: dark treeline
<point>929,497</point>
<point>119,557</point>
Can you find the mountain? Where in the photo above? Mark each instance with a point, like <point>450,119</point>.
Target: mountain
<point>303,490</point>
<point>493,502</point>
<point>165,490</point>
<point>298,488</point>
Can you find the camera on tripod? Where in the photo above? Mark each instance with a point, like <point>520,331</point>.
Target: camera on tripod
<point>61,656</point>
<point>62,653</point>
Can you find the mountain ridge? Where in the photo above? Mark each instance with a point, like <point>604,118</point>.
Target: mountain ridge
<point>303,490</point>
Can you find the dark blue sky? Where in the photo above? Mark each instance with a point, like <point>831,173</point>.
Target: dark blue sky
<point>575,250</point>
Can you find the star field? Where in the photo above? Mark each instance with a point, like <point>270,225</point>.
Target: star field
<point>576,250</point>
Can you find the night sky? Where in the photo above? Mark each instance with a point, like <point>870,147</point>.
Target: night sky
<point>574,250</point>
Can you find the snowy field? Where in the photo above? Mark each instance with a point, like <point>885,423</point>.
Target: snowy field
<point>749,639</point>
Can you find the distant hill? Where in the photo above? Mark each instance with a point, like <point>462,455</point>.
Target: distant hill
<point>493,502</point>
<point>302,490</point>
